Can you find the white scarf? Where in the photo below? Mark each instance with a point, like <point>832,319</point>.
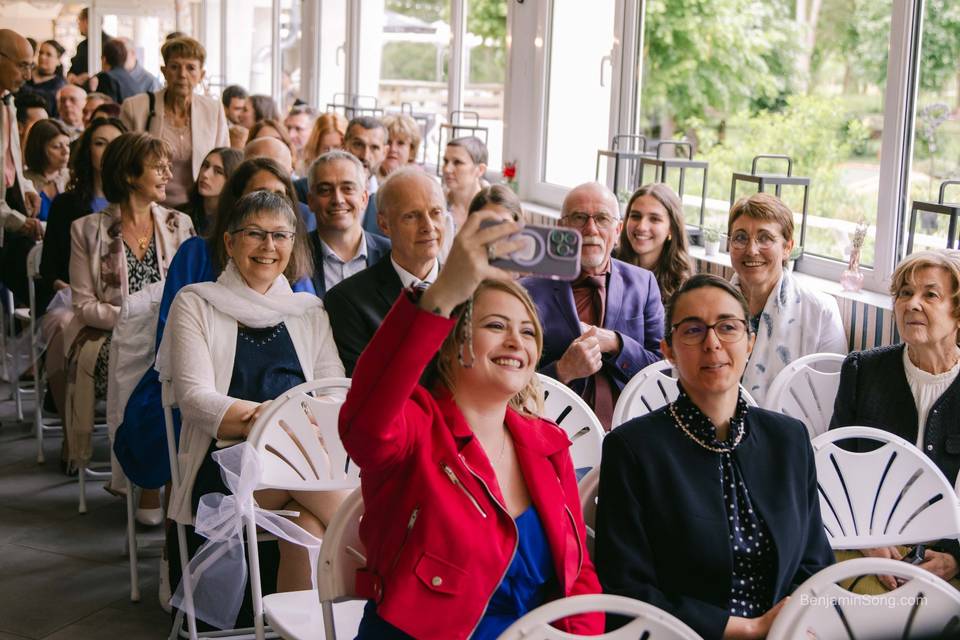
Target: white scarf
<point>231,295</point>
<point>779,336</point>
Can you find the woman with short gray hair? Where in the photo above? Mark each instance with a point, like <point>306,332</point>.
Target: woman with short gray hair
<point>231,347</point>
<point>912,389</point>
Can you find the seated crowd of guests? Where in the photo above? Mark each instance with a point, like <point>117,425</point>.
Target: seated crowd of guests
<point>284,250</point>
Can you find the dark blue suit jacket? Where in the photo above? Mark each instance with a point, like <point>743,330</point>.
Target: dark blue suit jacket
<point>633,310</point>
<point>377,247</point>
<point>662,530</point>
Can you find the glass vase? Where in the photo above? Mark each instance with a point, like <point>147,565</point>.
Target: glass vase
<point>852,278</point>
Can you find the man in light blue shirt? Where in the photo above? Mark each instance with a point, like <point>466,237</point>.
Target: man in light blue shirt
<point>337,195</point>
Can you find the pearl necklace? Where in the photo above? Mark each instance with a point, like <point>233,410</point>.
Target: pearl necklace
<point>683,427</point>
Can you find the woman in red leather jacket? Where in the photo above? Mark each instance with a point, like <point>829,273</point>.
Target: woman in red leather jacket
<point>472,516</point>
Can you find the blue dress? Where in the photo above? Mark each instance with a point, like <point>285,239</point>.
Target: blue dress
<point>524,587</point>
<point>266,365</point>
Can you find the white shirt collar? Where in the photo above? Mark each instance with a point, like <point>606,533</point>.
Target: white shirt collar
<point>328,252</point>
<point>408,280</point>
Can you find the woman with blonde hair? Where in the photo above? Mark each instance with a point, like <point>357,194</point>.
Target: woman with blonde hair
<point>326,135</point>
<point>464,163</point>
<point>403,142</point>
<point>471,504</point>
<point>654,236</point>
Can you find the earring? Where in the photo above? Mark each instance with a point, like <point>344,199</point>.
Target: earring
<point>669,237</point>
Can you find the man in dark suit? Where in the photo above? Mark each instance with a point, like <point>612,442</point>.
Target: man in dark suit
<point>411,210</point>
<point>338,197</point>
<point>604,327</point>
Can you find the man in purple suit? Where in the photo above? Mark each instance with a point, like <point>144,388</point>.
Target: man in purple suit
<point>605,326</point>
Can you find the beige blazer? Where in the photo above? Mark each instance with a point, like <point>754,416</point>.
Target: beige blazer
<point>208,124</point>
<point>11,218</point>
<point>98,266</point>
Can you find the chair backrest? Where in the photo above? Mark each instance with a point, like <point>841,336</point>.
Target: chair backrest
<point>892,495</point>
<point>342,553</point>
<point>806,388</point>
<point>298,441</point>
<point>649,390</point>
<point>648,621</point>
<point>575,417</point>
<point>655,387</point>
<point>33,260</point>
<point>588,487</point>
<point>923,607</point>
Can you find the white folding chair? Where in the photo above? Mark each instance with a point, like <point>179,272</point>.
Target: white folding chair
<point>648,621</point>
<point>168,400</point>
<point>300,615</point>
<point>806,388</point>
<point>15,359</point>
<point>588,488</point>
<point>890,496</point>
<point>923,607</point>
<point>299,447</point>
<point>649,390</point>
<point>38,344</point>
<point>577,419</point>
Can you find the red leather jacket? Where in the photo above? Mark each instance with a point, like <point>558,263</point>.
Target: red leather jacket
<point>437,535</point>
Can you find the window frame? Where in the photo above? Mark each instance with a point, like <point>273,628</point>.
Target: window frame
<point>529,66</point>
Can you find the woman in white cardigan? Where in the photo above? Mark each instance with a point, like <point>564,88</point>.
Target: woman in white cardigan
<point>233,345</point>
<point>790,320</point>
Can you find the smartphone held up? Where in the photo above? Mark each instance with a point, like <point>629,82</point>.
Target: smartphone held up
<point>548,252</point>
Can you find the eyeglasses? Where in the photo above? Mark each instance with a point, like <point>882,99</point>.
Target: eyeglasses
<point>693,332</point>
<point>24,67</point>
<point>325,189</point>
<point>580,220</point>
<point>253,235</point>
<point>764,240</point>
<point>161,168</point>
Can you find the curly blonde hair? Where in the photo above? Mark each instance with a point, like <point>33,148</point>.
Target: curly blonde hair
<point>528,400</point>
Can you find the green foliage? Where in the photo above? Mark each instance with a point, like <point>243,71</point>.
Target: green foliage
<point>858,31</point>
<point>818,134</point>
<point>409,61</point>
<point>707,59</point>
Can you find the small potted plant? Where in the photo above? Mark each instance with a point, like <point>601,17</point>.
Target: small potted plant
<point>711,241</point>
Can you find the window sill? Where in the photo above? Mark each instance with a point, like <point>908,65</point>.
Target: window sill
<point>871,298</point>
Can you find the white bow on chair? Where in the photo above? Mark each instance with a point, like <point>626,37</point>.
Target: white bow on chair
<point>218,571</point>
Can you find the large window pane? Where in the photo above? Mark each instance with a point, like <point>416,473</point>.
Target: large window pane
<point>486,61</point>
<point>578,97</point>
<point>249,45</point>
<point>333,56</point>
<point>405,55</point>
<point>290,31</point>
<point>804,78</point>
<point>936,144</point>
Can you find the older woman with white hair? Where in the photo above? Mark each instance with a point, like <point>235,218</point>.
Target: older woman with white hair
<point>232,346</point>
<point>911,389</point>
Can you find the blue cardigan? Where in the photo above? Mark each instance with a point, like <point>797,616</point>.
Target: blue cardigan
<point>662,532</point>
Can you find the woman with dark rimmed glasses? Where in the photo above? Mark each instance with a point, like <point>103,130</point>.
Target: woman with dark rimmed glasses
<point>708,507</point>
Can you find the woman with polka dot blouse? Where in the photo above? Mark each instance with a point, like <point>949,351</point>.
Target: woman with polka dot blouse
<point>708,508</point>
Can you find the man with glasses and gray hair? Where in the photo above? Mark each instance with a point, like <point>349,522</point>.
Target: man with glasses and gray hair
<point>605,326</point>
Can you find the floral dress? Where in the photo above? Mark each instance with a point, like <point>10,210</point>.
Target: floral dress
<point>140,273</point>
